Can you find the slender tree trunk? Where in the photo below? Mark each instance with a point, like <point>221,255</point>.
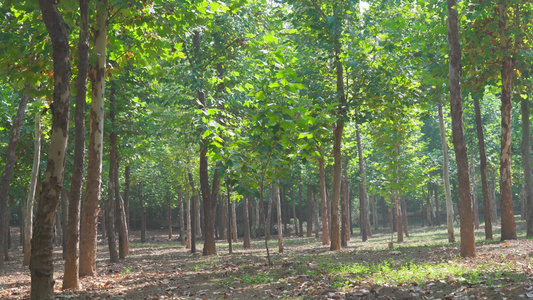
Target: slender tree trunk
<point>363,196</point>
<point>181,222</point>
<point>230,240</point>
<point>121,223</point>
<point>375,221</point>
<point>10,166</point>
<point>223,219</point>
<point>384,213</point>
<point>446,177</point>
<point>468,245</point>
<point>345,230</point>
<point>64,217</point>
<point>193,215</point>
<point>110,214</point>
<point>492,198</point>
<point>295,213</point>
<point>405,221</point>
<point>28,221</point>
<point>123,231</point>
<point>316,215</point>
<point>142,214</point>
<point>483,170</point>
<point>127,195</point>
<point>398,214</point>
<point>474,193</point>
<point>526,161</point>
<point>246,223</point>
<point>96,141</point>
<point>234,221</point>
<point>169,218</point>
<point>300,215</point>
<point>337,145</point>
<point>189,230</point>
<point>309,200</point>
<point>278,211</point>
<point>41,261</point>
<point>269,212</point>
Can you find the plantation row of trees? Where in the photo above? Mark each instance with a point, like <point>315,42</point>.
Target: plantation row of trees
<point>330,113</point>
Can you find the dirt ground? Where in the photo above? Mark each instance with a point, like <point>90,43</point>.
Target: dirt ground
<point>164,269</point>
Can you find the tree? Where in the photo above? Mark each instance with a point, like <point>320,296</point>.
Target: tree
<point>72,263</point>
<point>468,246</point>
<point>8,170</point>
<point>506,204</point>
<point>96,142</point>
<point>446,177</point>
<point>41,264</point>
<point>28,220</point>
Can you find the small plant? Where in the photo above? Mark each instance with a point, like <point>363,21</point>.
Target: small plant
<point>127,270</point>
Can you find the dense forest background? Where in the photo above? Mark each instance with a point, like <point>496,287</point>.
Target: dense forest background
<point>273,118</point>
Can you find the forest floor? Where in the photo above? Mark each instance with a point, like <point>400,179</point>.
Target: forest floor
<point>425,266</point>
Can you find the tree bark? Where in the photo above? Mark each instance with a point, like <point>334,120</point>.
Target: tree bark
<point>234,221</point>
<point>193,215</point>
<point>526,161</point>
<point>28,220</point>
<point>345,230</point>
<point>246,223</point>
<point>181,220</point>
<point>127,195</point>
<point>142,214</point>
<point>278,211</point>
<point>96,141</point>
<point>41,261</point>
<point>269,213</point>
<point>110,213</point>
<point>64,216</point>
<point>230,240</point>
<point>324,201</point>
<point>446,176</point>
<point>189,225</point>
<point>508,227</point>
<point>405,221</point>
<point>363,196</point>
<point>14,138</point>
<point>468,245</point>
<point>309,200</point>
<point>123,242</point>
<point>474,193</point>
<point>300,206</point>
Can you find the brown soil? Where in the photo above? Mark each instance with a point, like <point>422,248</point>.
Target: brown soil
<point>164,269</point>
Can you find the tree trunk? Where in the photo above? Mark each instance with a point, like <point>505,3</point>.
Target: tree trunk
<point>492,198</point>
<point>246,220</point>
<point>468,245</point>
<point>181,220</point>
<point>234,221</point>
<point>316,215</point>
<point>363,196</point>
<point>278,211</point>
<point>508,227</point>
<point>446,177</point>
<point>526,162</point>
<point>127,195</point>
<point>375,221</point>
<point>64,217</point>
<point>405,221</point>
<point>295,213</point>
<point>309,216</point>
<point>193,215</point>
<point>483,169</point>
<point>96,141</point>
<point>110,214</point>
<point>345,204</point>
<point>28,221</point>
<point>189,227</point>
<point>384,212</point>
<point>399,220</point>
<point>14,138</point>
<point>169,218</point>
<point>300,206</point>
<point>142,214</point>
<point>269,213</point>
<point>474,193</point>
<point>223,218</point>
<point>41,261</point>
<point>121,223</point>
<point>229,225</point>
